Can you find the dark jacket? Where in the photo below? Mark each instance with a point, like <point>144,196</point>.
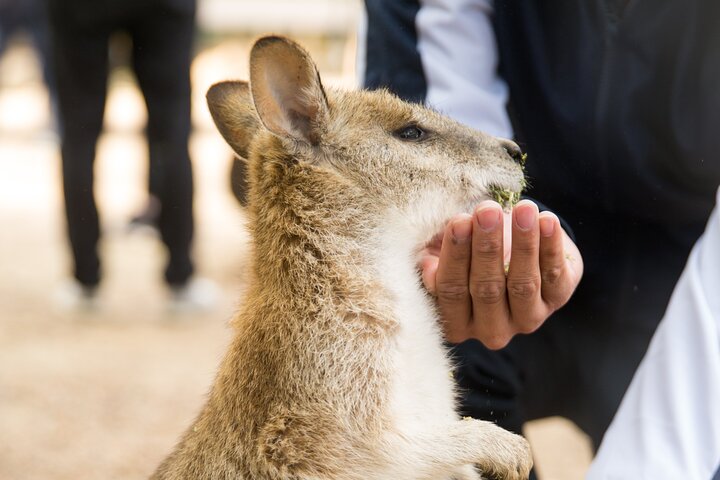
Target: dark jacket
<point>617,103</point>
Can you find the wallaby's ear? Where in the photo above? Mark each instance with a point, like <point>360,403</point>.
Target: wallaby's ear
<point>232,110</point>
<point>286,89</point>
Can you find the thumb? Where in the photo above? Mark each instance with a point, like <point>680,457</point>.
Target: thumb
<point>429,267</point>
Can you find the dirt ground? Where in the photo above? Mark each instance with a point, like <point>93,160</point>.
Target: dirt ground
<point>105,394</point>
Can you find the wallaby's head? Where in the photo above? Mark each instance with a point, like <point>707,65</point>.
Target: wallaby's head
<point>405,163</point>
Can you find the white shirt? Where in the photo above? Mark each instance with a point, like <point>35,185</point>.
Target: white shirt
<point>460,61</point>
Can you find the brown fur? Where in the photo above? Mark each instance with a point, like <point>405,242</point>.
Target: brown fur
<point>304,389</point>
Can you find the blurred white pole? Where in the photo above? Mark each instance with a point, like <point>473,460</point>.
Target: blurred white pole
<point>293,17</point>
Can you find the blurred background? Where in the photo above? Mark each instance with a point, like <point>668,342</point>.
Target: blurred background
<point>105,393</point>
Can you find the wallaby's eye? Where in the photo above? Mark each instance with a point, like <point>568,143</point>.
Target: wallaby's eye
<point>410,133</point>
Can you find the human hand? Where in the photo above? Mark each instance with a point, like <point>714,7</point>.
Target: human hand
<point>464,268</point>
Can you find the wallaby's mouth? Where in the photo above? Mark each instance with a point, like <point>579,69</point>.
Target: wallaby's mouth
<point>506,197</point>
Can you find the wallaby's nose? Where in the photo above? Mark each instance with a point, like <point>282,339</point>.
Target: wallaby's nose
<point>513,150</point>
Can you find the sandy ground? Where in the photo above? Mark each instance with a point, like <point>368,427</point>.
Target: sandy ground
<point>105,394</point>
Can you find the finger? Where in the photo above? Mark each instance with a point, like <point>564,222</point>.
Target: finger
<point>491,316</point>
<point>554,271</point>
<point>507,236</point>
<point>523,282</point>
<point>574,259</point>
<point>429,266</point>
<point>451,279</point>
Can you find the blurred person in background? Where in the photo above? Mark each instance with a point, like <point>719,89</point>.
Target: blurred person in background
<point>162,33</point>
<point>616,104</point>
<point>29,17</point>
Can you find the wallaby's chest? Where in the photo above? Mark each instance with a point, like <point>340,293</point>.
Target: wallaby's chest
<point>422,386</point>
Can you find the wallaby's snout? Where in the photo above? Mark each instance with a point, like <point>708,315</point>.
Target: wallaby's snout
<point>513,149</point>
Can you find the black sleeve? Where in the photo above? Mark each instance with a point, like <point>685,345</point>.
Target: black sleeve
<point>392,59</point>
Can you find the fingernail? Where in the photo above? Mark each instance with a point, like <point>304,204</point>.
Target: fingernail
<point>525,216</point>
<point>488,218</point>
<point>547,225</point>
<point>461,230</point>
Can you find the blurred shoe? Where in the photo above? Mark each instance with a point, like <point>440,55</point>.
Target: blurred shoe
<point>148,217</point>
<point>72,295</point>
<point>197,295</point>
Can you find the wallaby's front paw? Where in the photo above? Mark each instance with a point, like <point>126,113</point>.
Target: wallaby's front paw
<point>511,460</point>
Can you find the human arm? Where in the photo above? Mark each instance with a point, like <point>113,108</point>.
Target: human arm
<point>442,52</point>
<point>459,56</point>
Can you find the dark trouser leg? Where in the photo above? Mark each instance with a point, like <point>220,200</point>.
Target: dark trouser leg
<point>80,60</point>
<point>489,384</point>
<point>38,27</point>
<point>162,47</point>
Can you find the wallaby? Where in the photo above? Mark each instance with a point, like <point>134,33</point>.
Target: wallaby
<point>337,369</point>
